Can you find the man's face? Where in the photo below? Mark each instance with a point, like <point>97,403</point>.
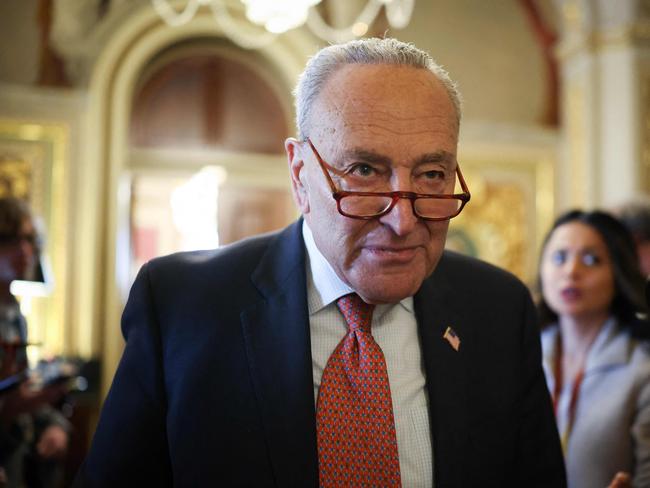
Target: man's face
<point>17,258</point>
<point>401,119</point>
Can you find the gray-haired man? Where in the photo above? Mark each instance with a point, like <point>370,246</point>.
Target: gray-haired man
<point>348,349</point>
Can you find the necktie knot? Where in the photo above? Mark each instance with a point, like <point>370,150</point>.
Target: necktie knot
<point>357,313</point>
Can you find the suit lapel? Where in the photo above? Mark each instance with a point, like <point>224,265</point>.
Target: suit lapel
<point>446,375</point>
<point>276,332</point>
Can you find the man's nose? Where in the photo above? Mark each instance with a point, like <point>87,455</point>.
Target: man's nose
<point>401,218</point>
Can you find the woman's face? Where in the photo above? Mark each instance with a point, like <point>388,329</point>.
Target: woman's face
<point>576,273</point>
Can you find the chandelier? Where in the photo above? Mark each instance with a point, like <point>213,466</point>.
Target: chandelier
<point>278,16</point>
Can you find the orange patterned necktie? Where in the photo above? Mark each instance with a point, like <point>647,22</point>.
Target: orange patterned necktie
<point>357,445</point>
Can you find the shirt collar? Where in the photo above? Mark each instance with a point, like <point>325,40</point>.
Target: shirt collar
<point>610,347</point>
<point>327,285</point>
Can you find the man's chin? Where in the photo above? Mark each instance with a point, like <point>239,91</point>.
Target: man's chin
<point>389,293</point>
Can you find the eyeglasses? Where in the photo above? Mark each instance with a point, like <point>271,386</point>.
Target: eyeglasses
<point>368,205</point>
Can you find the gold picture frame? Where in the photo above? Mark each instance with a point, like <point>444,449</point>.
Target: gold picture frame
<point>32,165</point>
<point>511,209</point>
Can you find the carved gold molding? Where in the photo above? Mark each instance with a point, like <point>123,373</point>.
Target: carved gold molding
<point>581,34</point>
<point>511,209</point>
<point>637,35</point>
<point>491,225</point>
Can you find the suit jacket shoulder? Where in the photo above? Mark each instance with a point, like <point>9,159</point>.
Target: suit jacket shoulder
<point>230,266</point>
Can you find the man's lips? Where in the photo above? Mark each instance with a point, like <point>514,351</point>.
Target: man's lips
<point>392,253</point>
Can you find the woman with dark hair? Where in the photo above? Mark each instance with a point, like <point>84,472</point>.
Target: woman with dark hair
<point>596,351</point>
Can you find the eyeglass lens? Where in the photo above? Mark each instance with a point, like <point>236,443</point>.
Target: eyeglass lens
<point>368,206</point>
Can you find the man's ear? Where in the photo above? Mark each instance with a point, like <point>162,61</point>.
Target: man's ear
<point>297,172</point>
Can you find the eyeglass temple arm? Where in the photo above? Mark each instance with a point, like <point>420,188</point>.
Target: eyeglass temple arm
<point>325,167</point>
<point>463,185</point>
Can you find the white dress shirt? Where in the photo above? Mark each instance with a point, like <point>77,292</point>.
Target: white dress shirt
<point>394,328</point>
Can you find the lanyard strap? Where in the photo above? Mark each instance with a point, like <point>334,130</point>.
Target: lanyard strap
<point>575,393</point>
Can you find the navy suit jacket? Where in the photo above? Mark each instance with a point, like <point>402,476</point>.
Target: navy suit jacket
<point>215,386</point>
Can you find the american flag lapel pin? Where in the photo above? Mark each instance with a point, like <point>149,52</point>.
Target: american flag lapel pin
<point>451,337</point>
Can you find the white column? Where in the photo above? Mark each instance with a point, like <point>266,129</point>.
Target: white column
<point>604,55</point>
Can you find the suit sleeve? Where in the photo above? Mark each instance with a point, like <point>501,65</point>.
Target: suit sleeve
<point>540,461</point>
<point>130,444</point>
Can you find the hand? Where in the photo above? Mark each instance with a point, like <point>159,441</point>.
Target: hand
<point>25,399</point>
<point>621,480</point>
<point>53,442</point>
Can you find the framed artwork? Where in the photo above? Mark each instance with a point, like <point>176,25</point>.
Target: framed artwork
<point>509,213</point>
<point>32,161</point>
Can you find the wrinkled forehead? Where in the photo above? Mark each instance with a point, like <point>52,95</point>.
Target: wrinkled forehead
<point>362,104</point>
<point>354,86</point>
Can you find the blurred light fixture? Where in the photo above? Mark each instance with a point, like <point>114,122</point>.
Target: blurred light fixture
<point>278,16</point>
<point>195,210</point>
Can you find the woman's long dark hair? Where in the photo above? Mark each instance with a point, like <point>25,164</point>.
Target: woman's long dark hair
<point>629,283</point>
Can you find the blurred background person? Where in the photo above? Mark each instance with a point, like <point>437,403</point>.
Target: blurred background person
<point>635,216</point>
<point>33,435</point>
<point>596,350</point>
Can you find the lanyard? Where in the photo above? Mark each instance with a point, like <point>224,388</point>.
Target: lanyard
<point>575,393</point>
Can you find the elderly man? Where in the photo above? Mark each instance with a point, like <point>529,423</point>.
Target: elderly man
<point>348,349</point>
